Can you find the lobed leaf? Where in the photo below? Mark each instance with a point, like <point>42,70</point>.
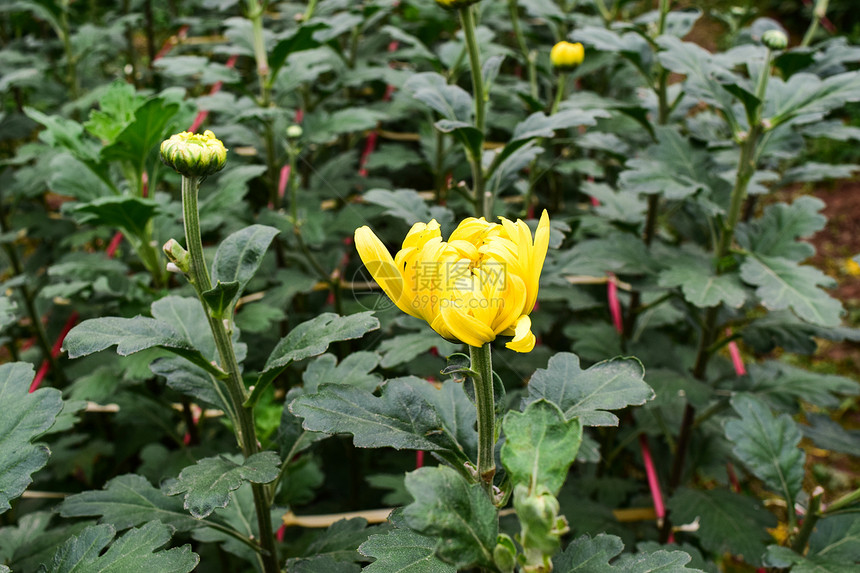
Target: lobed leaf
<point>26,416</point>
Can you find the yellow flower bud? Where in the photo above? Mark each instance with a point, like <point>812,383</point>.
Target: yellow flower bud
<point>481,283</point>
<point>193,154</point>
<point>566,56</point>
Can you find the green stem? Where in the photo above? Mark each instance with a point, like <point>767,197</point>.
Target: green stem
<point>843,502</point>
<point>30,306</point>
<point>221,331</point>
<point>559,93</point>
<point>483,201</point>
<point>817,14</point>
<point>528,56</point>
<point>312,6</point>
<point>482,363</point>
<point>255,15</point>
<point>809,521</point>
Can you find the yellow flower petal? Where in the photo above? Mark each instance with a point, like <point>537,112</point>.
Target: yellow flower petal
<point>524,340</point>
<point>382,268</point>
<point>463,326</point>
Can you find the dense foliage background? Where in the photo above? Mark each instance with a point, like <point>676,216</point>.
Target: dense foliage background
<point>689,358</point>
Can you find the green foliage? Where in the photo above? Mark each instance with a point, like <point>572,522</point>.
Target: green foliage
<point>208,483</point>
<point>28,416</point>
<point>135,549</point>
<point>459,515</point>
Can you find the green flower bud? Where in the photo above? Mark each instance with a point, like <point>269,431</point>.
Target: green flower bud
<point>505,553</point>
<point>194,155</point>
<point>454,4</point>
<point>294,132</point>
<point>177,255</point>
<point>566,56</point>
<point>775,39</point>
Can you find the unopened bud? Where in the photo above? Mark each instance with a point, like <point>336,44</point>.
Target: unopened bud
<point>774,39</point>
<point>178,257</point>
<point>505,553</point>
<point>294,131</point>
<point>193,154</point>
<point>566,56</point>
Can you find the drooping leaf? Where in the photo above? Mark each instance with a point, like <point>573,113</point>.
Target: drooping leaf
<point>208,483</point>
<point>727,521</point>
<point>410,414</point>
<point>458,514</point>
<point>239,256</point>
<point>135,551</point>
<point>767,446</point>
<point>26,416</point>
<point>292,438</point>
<point>588,394</point>
<point>806,97</point>
<point>540,445</point>
<point>354,370</point>
<point>784,557</point>
<point>620,253</point>
<point>782,284</point>
<point>192,381</point>
<point>341,540</point>
<point>405,551</point>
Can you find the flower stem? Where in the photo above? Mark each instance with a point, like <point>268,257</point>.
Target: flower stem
<point>559,93</point>
<point>221,331</point>
<point>483,201</point>
<point>482,363</point>
<point>528,56</point>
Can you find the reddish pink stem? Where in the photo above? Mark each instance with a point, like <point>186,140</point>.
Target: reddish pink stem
<point>55,351</point>
<point>737,360</point>
<point>653,482</point>
<point>614,303</point>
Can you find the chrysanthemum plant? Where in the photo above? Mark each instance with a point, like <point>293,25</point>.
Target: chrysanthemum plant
<point>581,211</point>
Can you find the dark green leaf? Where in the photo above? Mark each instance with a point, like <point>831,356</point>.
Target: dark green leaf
<point>672,167</point>
<point>807,97</point>
<point>301,39</point>
<point>466,133</point>
<point>458,514</point>
<point>620,253</point>
<point>403,550</point>
<point>354,370</point>
<point>129,501</point>
<point>783,558</point>
<point>837,538</point>
<point>727,521</point>
<point>782,284</point>
<point>312,338</point>
<point>451,101</point>
<point>405,204</point>
<point>193,381</point>
<point>701,285</point>
<point>404,347</point>
<point>292,438</point>
<point>220,298</point>
<point>139,138</point>
<point>208,483</point>
<point>776,232</point>
<point>239,256</point>
<point>767,446</point>
<point>828,435</point>
<point>540,445</point>
<point>587,394</point>
<point>131,214</point>
<point>135,551</point>
<point>26,416</point>
<point>784,386</point>
<point>410,414</point>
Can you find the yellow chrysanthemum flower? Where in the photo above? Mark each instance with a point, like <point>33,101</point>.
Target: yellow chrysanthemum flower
<point>481,283</point>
